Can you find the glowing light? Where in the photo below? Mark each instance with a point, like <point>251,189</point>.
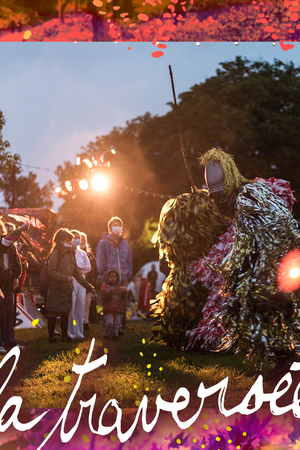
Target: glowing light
<point>68,185</point>
<point>113,151</point>
<point>294,273</point>
<point>58,190</point>
<point>288,277</point>
<point>100,182</point>
<point>78,161</point>
<point>83,184</point>
<point>88,163</point>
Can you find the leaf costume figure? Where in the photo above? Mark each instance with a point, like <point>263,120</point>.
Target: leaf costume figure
<point>209,331</point>
<point>189,225</point>
<point>257,317</point>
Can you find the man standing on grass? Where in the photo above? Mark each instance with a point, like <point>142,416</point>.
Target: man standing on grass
<point>114,253</point>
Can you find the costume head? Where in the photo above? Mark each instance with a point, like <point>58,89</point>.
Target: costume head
<point>221,173</point>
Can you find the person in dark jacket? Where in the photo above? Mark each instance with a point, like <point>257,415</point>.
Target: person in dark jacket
<point>10,270</point>
<point>62,268</point>
<point>114,297</point>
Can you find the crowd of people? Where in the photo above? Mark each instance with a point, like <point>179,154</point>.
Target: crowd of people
<point>73,272</point>
<point>68,278</point>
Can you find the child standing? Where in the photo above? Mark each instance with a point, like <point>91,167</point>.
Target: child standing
<point>114,297</point>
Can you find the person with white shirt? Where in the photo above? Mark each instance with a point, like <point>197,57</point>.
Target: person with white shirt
<point>75,326</point>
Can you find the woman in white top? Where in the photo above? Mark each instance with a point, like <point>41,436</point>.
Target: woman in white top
<point>75,326</point>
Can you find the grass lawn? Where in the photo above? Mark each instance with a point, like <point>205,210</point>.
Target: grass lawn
<point>44,377</point>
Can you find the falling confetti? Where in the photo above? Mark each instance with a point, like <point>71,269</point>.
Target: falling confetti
<point>77,351</point>
<point>67,379</point>
<point>157,54</point>
<point>105,350</point>
<point>74,323</point>
<point>85,438</point>
<point>27,34</point>
<point>35,322</point>
<point>143,17</point>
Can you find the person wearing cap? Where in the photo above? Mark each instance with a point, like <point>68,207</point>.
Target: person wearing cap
<point>260,319</point>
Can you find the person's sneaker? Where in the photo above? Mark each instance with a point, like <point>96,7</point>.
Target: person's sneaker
<point>2,350</point>
<point>21,347</point>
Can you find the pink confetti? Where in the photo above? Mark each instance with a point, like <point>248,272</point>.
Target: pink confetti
<point>143,17</point>
<point>154,41</point>
<point>274,36</point>
<point>269,29</point>
<point>167,15</point>
<point>294,17</point>
<point>157,54</point>
<point>286,47</point>
<point>263,21</point>
<point>171,7</point>
<point>161,46</point>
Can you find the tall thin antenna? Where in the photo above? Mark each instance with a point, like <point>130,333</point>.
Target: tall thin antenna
<point>180,134</point>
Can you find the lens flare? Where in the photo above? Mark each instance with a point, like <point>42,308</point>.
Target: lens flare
<point>288,277</point>
<point>100,182</point>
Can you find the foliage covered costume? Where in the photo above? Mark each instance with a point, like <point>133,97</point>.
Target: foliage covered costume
<point>188,226</point>
<point>210,329</point>
<point>260,320</point>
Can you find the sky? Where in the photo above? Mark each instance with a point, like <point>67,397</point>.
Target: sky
<point>57,97</point>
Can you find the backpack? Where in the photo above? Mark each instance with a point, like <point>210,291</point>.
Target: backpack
<point>44,278</point>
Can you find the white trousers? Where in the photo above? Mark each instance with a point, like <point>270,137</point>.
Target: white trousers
<point>75,327</point>
<point>87,304</point>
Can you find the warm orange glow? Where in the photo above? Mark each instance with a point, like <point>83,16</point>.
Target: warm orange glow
<point>83,184</point>
<point>288,277</point>
<point>100,182</point>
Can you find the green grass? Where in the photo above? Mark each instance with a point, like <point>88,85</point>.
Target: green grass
<point>42,368</point>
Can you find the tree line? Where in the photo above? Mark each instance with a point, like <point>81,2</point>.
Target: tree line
<point>250,109</point>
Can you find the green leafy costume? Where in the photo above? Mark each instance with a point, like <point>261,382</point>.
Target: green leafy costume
<point>189,226</point>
